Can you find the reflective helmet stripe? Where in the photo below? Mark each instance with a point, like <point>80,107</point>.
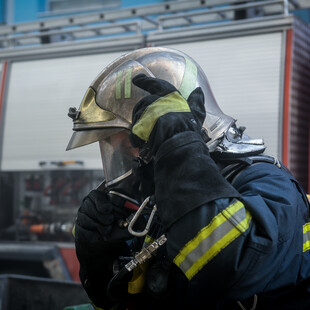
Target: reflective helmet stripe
<point>189,78</point>
<point>118,86</point>
<point>128,78</point>
<point>127,86</point>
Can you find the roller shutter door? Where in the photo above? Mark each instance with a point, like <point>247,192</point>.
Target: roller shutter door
<point>245,76</point>
<point>36,125</point>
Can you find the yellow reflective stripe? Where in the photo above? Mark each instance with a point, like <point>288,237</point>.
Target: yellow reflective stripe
<point>189,79</point>
<point>73,230</point>
<point>118,86</point>
<point>127,84</point>
<point>137,282</point>
<point>223,229</point>
<point>306,237</point>
<point>216,248</point>
<point>148,239</point>
<point>127,91</point>
<point>204,233</point>
<point>172,102</point>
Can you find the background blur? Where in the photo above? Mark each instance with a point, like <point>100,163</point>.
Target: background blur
<point>256,55</point>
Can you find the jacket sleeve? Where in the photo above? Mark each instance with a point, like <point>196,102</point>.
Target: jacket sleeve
<point>228,241</point>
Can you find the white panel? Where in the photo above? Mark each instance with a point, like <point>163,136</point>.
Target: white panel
<point>36,126</point>
<point>244,74</point>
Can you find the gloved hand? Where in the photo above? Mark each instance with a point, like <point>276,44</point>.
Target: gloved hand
<point>96,218</point>
<point>99,241</point>
<point>96,228</point>
<point>164,113</point>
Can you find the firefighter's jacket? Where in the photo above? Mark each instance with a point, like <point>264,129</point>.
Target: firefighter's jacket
<point>232,241</point>
<point>233,245</point>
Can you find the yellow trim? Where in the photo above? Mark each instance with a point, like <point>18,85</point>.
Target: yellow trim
<point>148,239</point>
<point>172,102</point>
<point>205,232</point>
<point>189,78</point>
<point>73,230</point>
<point>226,239</point>
<point>306,244</point>
<point>136,284</point>
<point>90,112</point>
<point>118,85</point>
<point>306,228</point>
<point>218,247</point>
<point>127,90</point>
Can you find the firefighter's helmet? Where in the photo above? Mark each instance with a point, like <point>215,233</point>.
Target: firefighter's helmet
<point>106,108</point>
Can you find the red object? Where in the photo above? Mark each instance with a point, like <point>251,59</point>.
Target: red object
<point>37,229</point>
<point>71,261</point>
<point>131,206</point>
<point>286,104</point>
<point>2,85</point>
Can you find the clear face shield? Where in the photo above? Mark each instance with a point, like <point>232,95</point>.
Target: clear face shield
<point>118,156</point>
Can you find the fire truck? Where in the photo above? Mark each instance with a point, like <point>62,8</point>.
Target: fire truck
<point>255,54</point>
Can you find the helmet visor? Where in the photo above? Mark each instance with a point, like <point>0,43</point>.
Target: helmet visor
<point>117,156</point>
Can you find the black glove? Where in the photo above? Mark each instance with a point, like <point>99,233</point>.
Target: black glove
<point>98,238</point>
<point>99,241</point>
<point>164,113</point>
<point>97,220</point>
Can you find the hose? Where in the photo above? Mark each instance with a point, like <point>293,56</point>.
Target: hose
<point>114,289</point>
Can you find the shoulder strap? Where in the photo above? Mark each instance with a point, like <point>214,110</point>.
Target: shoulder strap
<point>232,167</point>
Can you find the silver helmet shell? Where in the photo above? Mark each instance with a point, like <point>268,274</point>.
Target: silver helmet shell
<point>109,101</point>
<point>106,109</point>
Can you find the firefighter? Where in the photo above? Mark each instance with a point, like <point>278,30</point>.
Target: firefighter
<point>231,227</point>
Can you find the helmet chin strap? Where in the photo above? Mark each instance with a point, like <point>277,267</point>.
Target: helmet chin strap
<point>128,194</point>
<point>137,185</point>
<point>127,187</point>
<point>235,143</point>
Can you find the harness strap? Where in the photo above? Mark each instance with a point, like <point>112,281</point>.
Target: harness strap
<point>236,165</point>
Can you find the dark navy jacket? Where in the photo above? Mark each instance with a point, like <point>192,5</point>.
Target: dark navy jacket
<point>233,241</point>
<point>226,243</point>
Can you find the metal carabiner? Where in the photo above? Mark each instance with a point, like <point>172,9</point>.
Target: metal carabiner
<point>136,216</point>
